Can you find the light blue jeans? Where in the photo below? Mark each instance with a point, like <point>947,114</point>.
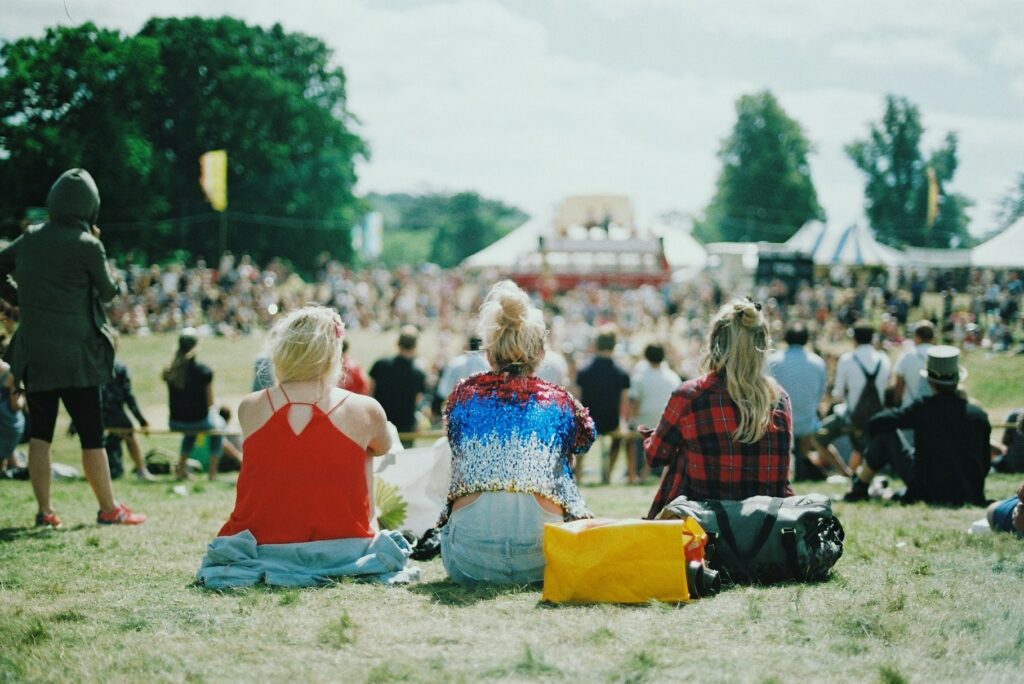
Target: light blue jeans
<point>213,421</point>
<point>496,539</point>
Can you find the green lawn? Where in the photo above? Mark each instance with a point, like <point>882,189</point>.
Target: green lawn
<point>914,598</point>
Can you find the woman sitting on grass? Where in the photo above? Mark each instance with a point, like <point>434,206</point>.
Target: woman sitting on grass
<point>306,486</point>
<point>726,434</point>
<point>190,396</point>
<point>513,437</point>
<point>307,444</point>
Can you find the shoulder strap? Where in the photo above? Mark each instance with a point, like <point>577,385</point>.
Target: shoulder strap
<point>869,376</point>
<point>286,398</point>
<point>270,400</point>
<point>767,524</point>
<point>343,399</point>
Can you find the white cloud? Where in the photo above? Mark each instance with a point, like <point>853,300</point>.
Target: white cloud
<point>882,53</point>
<point>472,94</point>
<point>1009,51</point>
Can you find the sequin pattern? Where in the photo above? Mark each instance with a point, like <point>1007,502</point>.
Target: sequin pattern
<point>516,434</point>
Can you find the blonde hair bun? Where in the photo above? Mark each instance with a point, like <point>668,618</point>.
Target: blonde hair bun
<point>748,313</point>
<point>511,328</point>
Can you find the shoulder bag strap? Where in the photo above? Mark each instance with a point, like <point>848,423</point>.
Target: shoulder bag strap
<point>725,527</point>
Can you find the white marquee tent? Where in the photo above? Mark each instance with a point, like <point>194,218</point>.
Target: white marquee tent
<point>852,246</point>
<point>682,251</point>
<point>1005,250</point>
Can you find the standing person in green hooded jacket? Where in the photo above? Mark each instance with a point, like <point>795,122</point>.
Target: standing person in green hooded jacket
<point>63,349</point>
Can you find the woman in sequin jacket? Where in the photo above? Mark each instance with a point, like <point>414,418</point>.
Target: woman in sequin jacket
<point>513,438</point>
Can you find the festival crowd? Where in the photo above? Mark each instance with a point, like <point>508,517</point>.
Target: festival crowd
<point>685,381</point>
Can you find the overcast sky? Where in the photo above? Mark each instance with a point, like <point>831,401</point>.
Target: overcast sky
<point>532,100</point>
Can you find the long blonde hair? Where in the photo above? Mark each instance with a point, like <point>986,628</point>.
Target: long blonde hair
<point>307,345</point>
<point>512,330</point>
<point>738,347</point>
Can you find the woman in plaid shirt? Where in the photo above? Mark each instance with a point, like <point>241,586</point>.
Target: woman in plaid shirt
<point>726,434</point>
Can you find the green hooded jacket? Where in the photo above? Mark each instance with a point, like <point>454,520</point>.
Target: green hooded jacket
<point>60,281</point>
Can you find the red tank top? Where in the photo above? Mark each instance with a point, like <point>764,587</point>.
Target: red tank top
<point>301,487</point>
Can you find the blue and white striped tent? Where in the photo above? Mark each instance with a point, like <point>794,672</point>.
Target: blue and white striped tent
<point>852,246</point>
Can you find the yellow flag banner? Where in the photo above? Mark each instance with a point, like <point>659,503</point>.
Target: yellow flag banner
<point>933,197</point>
<point>213,177</point>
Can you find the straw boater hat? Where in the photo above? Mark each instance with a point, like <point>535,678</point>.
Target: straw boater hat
<point>943,366</point>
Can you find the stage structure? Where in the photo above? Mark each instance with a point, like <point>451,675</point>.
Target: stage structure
<point>592,239</point>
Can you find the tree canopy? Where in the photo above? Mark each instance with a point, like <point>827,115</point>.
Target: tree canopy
<point>1011,205</point>
<point>138,111</point>
<point>897,181</point>
<point>764,190</point>
<point>448,227</point>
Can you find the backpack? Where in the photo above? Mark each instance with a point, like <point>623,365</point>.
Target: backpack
<point>869,403</point>
<point>767,539</point>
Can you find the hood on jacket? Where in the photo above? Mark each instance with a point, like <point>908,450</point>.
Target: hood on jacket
<point>74,198</point>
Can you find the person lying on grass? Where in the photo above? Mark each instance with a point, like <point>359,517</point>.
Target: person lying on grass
<point>1008,515</point>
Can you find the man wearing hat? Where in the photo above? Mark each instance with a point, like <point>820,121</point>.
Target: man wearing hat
<point>949,458</point>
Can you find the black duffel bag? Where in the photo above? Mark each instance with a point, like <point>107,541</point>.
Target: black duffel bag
<point>767,539</point>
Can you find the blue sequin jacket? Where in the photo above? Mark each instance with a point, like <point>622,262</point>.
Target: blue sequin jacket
<point>516,434</point>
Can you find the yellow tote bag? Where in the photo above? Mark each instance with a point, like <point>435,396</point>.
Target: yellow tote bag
<point>619,561</point>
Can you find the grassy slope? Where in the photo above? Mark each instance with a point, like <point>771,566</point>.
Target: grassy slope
<point>913,598</point>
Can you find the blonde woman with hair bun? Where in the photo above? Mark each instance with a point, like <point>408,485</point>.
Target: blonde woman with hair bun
<point>513,438</point>
<point>308,444</point>
<point>726,434</point>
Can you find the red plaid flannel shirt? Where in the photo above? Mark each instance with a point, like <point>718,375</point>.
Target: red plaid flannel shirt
<point>694,440</point>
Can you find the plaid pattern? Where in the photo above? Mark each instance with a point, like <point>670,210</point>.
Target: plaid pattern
<point>694,440</point>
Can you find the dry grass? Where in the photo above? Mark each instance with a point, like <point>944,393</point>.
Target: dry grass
<point>913,599</point>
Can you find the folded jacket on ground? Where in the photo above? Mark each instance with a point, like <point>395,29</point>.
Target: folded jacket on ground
<point>238,561</point>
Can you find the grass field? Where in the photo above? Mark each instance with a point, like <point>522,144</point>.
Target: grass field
<point>914,598</point>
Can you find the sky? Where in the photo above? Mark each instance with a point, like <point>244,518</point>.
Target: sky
<point>529,101</point>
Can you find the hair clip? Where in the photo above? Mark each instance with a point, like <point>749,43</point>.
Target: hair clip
<point>339,329</point>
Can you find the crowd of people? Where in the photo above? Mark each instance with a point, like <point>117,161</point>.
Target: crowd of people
<point>720,416</point>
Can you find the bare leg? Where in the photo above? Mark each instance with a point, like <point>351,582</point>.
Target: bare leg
<point>577,470</point>
<point>613,456</point>
<point>182,471</point>
<point>135,449</point>
<point>214,460</point>
<point>830,457</point>
<point>97,472</point>
<point>39,472</point>
<point>855,459</point>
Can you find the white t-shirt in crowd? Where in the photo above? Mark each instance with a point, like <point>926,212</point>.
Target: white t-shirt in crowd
<point>651,388</point>
<point>850,378</point>
<point>909,367</point>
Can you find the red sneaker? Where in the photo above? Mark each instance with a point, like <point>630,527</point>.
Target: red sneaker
<point>48,520</point>
<point>121,515</point>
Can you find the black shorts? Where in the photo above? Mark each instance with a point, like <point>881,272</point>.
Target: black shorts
<point>82,403</point>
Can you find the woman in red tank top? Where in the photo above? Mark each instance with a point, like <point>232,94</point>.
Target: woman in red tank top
<point>307,474</point>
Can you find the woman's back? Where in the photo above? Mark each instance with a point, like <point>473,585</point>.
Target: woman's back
<point>306,470</point>
<point>695,439</point>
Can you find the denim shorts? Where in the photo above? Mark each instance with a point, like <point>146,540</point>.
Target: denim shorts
<point>496,539</point>
<point>1002,515</point>
<point>213,421</point>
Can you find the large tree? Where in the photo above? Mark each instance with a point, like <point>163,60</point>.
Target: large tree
<point>139,111</point>
<point>764,190</point>
<point>898,190</point>
<point>76,97</point>
<point>1011,205</point>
